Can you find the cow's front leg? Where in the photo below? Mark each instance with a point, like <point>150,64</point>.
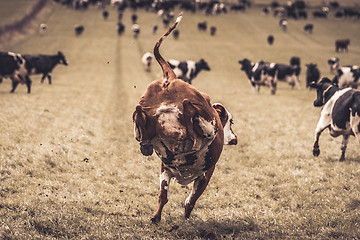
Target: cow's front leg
<point>199,186</point>
<point>343,147</point>
<point>324,122</point>
<point>165,177</point>
<point>49,78</point>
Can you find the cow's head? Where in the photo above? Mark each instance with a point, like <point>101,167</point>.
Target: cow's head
<point>203,65</point>
<point>62,59</point>
<point>324,89</point>
<point>143,130</point>
<point>227,122</point>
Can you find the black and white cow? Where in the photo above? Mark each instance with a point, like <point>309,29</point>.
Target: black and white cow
<point>312,74</point>
<point>340,113</point>
<point>283,72</point>
<point>44,64</point>
<point>147,60</point>
<point>258,75</point>
<point>334,64</point>
<point>309,28</point>
<point>12,65</point>
<point>79,29</point>
<point>188,70</point>
<point>347,76</point>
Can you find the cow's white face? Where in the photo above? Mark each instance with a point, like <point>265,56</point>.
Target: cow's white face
<point>229,136</point>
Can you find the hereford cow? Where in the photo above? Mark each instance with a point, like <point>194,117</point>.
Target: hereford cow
<point>347,76</point>
<point>342,44</point>
<point>44,64</point>
<point>188,70</point>
<point>312,74</point>
<point>257,75</point>
<point>334,64</point>
<point>340,113</point>
<point>184,129</point>
<point>12,65</point>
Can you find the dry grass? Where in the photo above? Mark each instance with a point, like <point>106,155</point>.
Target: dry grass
<point>71,169</point>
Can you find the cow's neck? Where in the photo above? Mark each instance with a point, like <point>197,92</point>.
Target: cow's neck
<point>329,92</point>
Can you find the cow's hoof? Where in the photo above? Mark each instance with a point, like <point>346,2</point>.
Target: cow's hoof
<point>316,152</point>
<point>342,159</point>
<point>155,220</point>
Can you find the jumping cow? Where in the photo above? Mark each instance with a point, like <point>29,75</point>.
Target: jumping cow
<point>340,113</point>
<point>183,128</point>
<point>44,64</point>
<point>12,65</point>
<point>188,70</point>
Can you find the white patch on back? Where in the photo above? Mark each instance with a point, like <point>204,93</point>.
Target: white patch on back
<point>191,68</point>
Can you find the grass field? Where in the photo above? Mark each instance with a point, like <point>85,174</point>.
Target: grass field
<point>70,167</point>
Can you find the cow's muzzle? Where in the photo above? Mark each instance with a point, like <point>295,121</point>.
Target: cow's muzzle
<point>146,148</point>
<point>317,103</point>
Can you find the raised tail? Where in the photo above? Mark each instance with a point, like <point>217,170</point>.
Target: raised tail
<point>168,73</point>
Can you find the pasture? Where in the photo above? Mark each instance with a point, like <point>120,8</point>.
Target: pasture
<point>70,167</point>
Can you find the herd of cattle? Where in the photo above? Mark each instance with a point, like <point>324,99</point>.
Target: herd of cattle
<point>186,131</point>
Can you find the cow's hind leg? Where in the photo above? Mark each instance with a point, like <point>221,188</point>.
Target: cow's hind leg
<point>49,78</point>
<point>343,147</point>
<point>165,178</point>
<point>199,187</point>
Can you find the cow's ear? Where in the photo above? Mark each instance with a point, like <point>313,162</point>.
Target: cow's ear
<point>139,119</point>
<point>220,109</point>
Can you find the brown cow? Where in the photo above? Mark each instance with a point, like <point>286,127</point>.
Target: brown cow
<point>184,129</point>
<point>342,44</point>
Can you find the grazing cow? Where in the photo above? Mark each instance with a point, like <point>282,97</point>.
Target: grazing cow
<point>334,64</point>
<point>312,74</point>
<point>213,30</point>
<point>270,39</point>
<point>147,60</point>
<point>347,76</point>
<point>282,72</point>
<point>319,14</point>
<point>105,14</point>
<point>134,18</point>
<point>135,28</point>
<point>202,26</point>
<point>120,28</point>
<point>155,28</point>
<point>176,34</point>
<point>283,24</point>
<point>257,75</point>
<point>79,29</point>
<point>188,70</point>
<point>183,128</point>
<point>309,28</point>
<point>42,28</point>
<point>342,44</point>
<point>340,113</point>
<point>302,14</point>
<point>12,65</point>
<point>44,64</point>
